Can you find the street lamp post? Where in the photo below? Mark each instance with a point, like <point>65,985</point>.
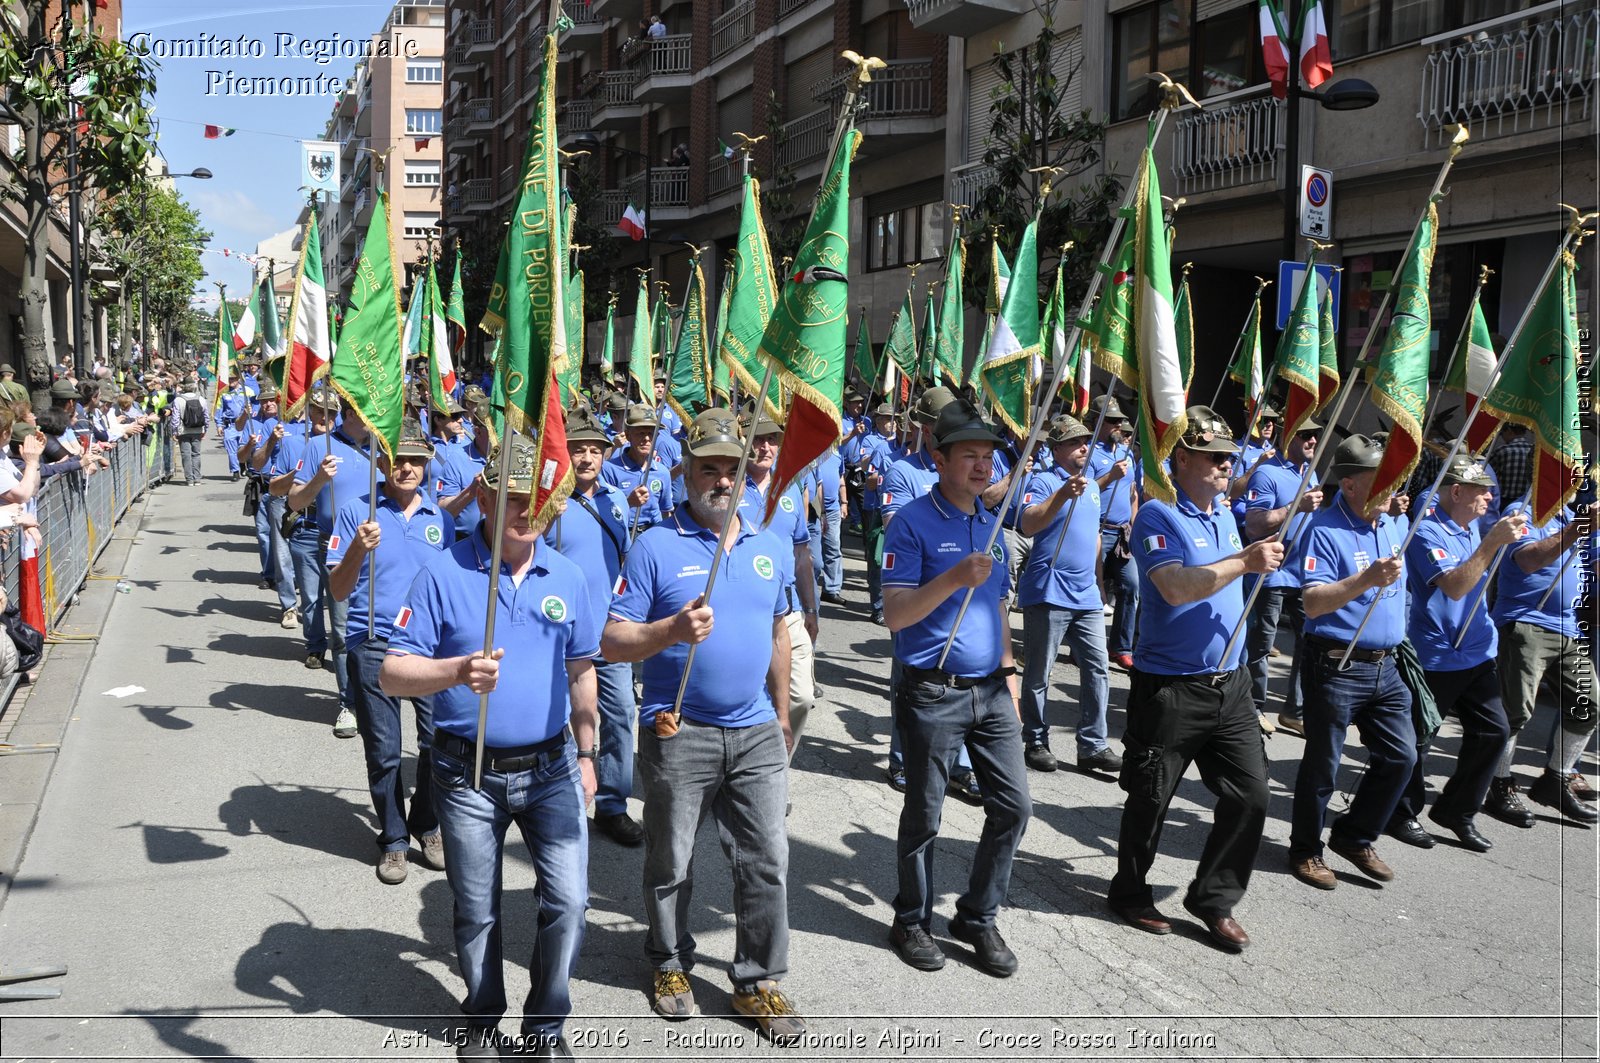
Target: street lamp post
<point>200,173</point>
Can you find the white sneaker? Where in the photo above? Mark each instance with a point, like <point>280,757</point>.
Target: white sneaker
<point>290,619</point>
<point>345,725</point>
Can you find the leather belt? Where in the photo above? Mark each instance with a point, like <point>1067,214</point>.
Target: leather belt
<point>1334,649</point>
<point>1210,679</point>
<point>503,759</point>
<point>945,679</point>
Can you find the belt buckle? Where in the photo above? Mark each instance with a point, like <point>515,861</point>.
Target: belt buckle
<point>1216,679</point>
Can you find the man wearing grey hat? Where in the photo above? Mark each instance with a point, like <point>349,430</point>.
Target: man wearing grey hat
<point>1351,562</point>
<point>1187,703</point>
<point>936,551</point>
<point>1447,565</point>
<point>639,472</point>
<point>867,455</point>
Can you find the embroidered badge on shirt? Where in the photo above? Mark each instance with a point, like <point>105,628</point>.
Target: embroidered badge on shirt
<point>621,585</point>
<point>1152,543</point>
<point>553,608</point>
<point>1311,564</point>
<point>333,543</point>
<point>1363,559</point>
<point>763,566</point>
<point>1234,539</point>
<point>787,503</point>
<point>433,535</point>
<point>1438,554</point>
<point>888,561</point>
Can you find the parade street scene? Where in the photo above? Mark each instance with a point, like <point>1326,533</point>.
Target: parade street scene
<point>652,530</point>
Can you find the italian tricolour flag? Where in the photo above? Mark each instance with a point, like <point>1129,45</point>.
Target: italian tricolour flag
<point>1470,374</point>
<point>1162,397</point>
<point>310,349</point>
<point>1316,59</point>
<point>1274,52</point>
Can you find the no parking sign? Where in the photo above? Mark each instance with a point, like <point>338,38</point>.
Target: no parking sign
<point>1316,203</point>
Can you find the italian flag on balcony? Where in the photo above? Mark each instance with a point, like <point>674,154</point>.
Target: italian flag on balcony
<point>1316,59</point>
<point>633,222</point>
<point>1274,50</point>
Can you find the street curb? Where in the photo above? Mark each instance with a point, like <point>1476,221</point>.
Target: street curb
<point>57,693</point>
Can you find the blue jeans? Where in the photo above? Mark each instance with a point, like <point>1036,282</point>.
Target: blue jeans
<point>306,554</point>
<point>545,801</point>
<point>231,438</point>
<point>935,721</point>
<point>963,761</point>
<point>1272,605</point>
<point>378,716</point>
<point>614,766</point>
<point>1043,629</point>
<point>827,555</point>
<point>739,776</point>
<point>1122,577</point>
<point>1371,696</point>
<point>339,620</point>
<point>280,569</point>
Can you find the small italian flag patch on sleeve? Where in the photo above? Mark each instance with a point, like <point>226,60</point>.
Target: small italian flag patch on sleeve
<point>403,620</point>
<point>1438,554</point>
<point>1152,543</point>
<point>1311,564</point>
<point>888,560</point>
<point>333,542</point>
<point>620,586</point>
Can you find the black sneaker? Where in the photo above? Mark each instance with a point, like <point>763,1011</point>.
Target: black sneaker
<point>1105,761</point>
<point>833,597</point>
<point>482,1042</point>
<point>993,955</point>
<point>620,828</point>
<point>1039,758</point>
<point>965,786</point>
<point>916,947</point>
<point>877,618</point>
<point>1554,789</point>
<point>897,778</point>
<point>1505,803</point>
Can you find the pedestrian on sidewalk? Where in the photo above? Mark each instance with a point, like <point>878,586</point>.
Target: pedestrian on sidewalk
<point>189,422</point>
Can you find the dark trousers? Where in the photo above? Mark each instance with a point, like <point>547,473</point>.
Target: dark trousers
<point>1119,575</point>
<point>935,721</point>
<point>1471,695</point>
<point>1371,696</point>
<point>872,545</point>
<point>1173,722</point>
<point>1273,606</point>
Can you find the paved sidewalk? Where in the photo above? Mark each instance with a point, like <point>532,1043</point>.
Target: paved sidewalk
<point>203,863</point>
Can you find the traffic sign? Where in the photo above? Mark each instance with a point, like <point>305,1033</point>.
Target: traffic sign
<point>1291,275</point>
<point>1316,203</point>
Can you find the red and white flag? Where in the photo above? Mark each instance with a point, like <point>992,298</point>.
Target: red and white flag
<point>1274,50</point>
<point>310,348</point>
<point>1316,59</point>
<point>632,223</point>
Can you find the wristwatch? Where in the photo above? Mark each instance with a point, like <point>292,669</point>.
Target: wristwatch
<point>589,754</point>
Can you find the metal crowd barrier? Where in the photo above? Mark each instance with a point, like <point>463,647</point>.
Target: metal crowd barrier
<point>78,515</point>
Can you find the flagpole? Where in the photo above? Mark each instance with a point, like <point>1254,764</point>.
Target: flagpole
<point>1099,423</point>
<point>496,558</point>
<point>372,555</point>
<point>1172,96</point>
<point>1484,273</point>
<point>1261,286</point>
<point>1572,555</point>
<point>1483,591</point>
<point>1574,230</point>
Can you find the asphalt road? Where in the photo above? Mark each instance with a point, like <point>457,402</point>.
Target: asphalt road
<point>203,863</point>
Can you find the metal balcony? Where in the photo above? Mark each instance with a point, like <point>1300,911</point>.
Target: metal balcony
<point>899,111</point>
<point>463,62</point>
<point>962,18</point>
<point>1228,145</point>
<point>967,183</point>
<point>733,27</point>
<point>722,174</point>
<point>576,118</point>
<point>805,140</point>
<point>629,11</point>
<point>587,27</point>
<point>789,7</point>
<point>477,195</point>
<point>663,66</point>
<point>458,138</point>
<point>479,36</point>
<point>613,201</point>
<point>1540,75</point>
<point>478,114</point>
<point>614,105</point>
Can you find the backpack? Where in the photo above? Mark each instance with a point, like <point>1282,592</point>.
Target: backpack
<point>194,414</point>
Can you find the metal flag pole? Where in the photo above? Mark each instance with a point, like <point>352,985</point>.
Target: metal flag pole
<point>1484,273</point>
<point>1572,555</point>
<point>496,557</point>
<point>1574,231</point>
<point>1261,286</point>
<point>372,555</point>
<point>1173,96</point>
<point>1099,423</point>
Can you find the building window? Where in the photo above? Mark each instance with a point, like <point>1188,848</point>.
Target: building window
<point>424,71</point>
<point>423,120</point>
<point>1357,27</point>
<point>420,226</point>
<point>902,235</point>
<point>422,173</point>
<point>1145,40</point>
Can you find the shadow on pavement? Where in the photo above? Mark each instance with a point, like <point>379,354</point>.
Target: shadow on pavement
<point>286,702</point>
<point>311,817</point>
<point>270,647</point>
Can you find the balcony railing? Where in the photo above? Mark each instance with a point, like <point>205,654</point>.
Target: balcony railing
<point>789,7</point>
<point>578,115</point>
<point>615,88</point>
<point>613,201</point>
<point>669,187</point>
<point>1228,145</point>
<point>732,28</point>
<point>1535,76</point>
<point>722,174</point>
<point>903,90</point>
<point>582,14</point>
<point>661,55</point>
<point>805,139</point>
<point>478,193</point>
<point>968,182</point>
<point>479,32</point>
<point>478,111</point>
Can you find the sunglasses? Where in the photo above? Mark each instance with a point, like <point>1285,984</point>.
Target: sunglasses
<point>1308,433</point>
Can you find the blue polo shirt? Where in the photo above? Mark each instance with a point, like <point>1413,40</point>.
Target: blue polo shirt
<point>260,427</point>
<point>1517,594</point>
<point>457,469</point>
<point>287,451</point>
<point>233,403</point>
<point>625,474</point>
<point>671,423</point>
<point>1338,545</point>
<point>350,482</point>
<point>593,533</point>
<point>824,481</point>
<point>908,479</point>
<point>1272,487</point>
<point>668,450</point>
<point>1438,547</point>
<point>869,452</point>
<point>788,521</point>
<point>1185,639</point>
<point>405,546</point>
<point>541,623</point>
<point>1116,501</point>
<point>667,569</point>
<point>928,537</point>
<point>1070,582</point>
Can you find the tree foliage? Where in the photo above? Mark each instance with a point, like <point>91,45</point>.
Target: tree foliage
<point>152,238</point>
<point>1029,128</point>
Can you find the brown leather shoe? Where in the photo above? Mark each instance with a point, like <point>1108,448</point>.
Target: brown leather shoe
<point>1313,872</point>
<point>1142,917</point>
<point>1366,858</point>
<point>1579,785</point>
<point>1222,928</point>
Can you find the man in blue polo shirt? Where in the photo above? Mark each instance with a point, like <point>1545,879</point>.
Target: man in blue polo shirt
<point>1271,492</point>
<point>639,472</point>
<point>1060,598</point>
<point>593,532</point>
<point>305,543</point>
<point>1535,610</point>
<point>825,522</point>
<point>867,456</point>
<point>937,549</point>
<point>1350,560</point>
<point>1447,567</point>
<point>538,747</point>
<point>277,568</point>
<point>459,467</point>
<point>1253,452</point>
<point>726,749</point>
<point>330,472</point>
<point>232,409</point>
<point>399,540</point>
<point>1186,703</point>
<point>1112,465</point>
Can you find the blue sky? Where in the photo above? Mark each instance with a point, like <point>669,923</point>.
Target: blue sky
<point>253,193</point>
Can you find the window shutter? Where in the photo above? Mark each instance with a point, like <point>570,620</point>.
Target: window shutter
<point>1067,62</point>
<point>804,79</point>
<point>734,115</point>
<point>1204,9</point>
<point>981,83</point>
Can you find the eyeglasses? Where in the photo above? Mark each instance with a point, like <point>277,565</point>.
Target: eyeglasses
<point>1308,433</point>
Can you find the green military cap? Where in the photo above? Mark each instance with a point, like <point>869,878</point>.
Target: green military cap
<point>641,415</point>
<point>1467,470</point>
<point>962,422</point>
<point>414,442</point>
<point>765,425</point>
<point>63,389</point>
<point>1269,412</point>
<point>1066,428</point>
<point>523,472</point>
<point>323,398</point>
<point>715,434</point>
<point>1207,431</point>
<point>932,401</point>
<point>1356,455</point>
<point>884,409</point>
<point>22,430</point>
<point>267,393</point>
<point>584,427</point>
<point>5,367</point>
<point>1113,412</point>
